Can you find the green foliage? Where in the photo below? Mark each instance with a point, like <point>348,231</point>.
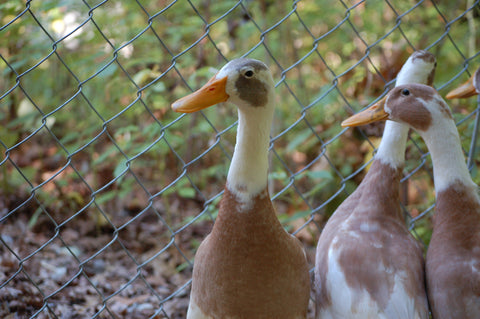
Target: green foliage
<point>104,91</point>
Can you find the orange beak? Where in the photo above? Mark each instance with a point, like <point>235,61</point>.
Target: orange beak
<point>211,93</point>
<point>374,113</point>
<point>465,90</point>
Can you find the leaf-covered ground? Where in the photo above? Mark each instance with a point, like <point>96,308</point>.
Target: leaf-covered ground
<point>85,270</point>
<point>88,270</point>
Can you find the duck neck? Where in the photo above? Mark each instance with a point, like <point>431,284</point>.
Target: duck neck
<point>449,165</point>
<point>392,147</point>
<point>248,171</point>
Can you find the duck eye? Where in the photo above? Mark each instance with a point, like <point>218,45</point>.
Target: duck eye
<point>249,73</point>
<point>405,92</point>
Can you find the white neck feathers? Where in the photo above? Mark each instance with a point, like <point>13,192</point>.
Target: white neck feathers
<point>392,147</point>
<point>248,171</point>
<point>448,159</point>
<point>414,73</point>
<point>394,141</point>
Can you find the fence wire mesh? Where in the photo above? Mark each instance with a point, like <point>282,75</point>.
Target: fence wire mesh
<point>106,193</point>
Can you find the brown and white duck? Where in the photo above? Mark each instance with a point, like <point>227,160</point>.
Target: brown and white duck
<point>367,263</point>
<point>248,266</point>
<point>453,256</point>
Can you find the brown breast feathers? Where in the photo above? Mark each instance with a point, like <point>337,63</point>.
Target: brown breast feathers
<point>249,267</point>
<point>453,257</point>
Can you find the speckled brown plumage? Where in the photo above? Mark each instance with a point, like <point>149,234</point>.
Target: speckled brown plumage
<point>367,264</point>
<point>453,256</point>
<point>388,243</point>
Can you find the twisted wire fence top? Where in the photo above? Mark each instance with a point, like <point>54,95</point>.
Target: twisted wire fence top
<point>106,193</point>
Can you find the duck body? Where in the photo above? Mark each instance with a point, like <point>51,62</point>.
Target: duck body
<point>248,266</point>
<point>367,263</point>
<point>453,255</point>
<point>253,262</point>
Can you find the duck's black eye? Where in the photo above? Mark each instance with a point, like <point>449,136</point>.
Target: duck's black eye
<point>249,73</point>
<point>405,92</point>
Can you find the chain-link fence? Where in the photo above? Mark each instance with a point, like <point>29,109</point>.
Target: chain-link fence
<point>106,193</point>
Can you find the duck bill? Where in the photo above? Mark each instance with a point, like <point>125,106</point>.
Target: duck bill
<point>210,94</point>
<point>374,113</point>
<point>465,90</point>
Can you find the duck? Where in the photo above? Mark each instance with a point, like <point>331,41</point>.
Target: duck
<point>452,264</point>
<point>470,88</point>
<point>249,266</point>
<point>367,263</point>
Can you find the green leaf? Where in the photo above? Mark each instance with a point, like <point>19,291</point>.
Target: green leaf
<point>277,175</point>
<point>142,76</point>
<point>322,174</point>
<point>33,220</point>
<point>108,71</point>
<point>186,192</point>
<point>159,87</point>
<point>298,139</point>
<point>105,155</point>
<point>9,138</point>
<point>285,219</point>
<point>105,197</point>
<point>120,168</point>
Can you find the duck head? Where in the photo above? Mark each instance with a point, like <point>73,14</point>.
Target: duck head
<point>417,105</point>
<point>247,83</point>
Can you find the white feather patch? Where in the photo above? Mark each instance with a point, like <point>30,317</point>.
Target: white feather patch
<point>194,311</point>
<point>243,195</point>
<point>358,304</point>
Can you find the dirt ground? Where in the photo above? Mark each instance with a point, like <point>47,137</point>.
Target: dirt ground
<point>83,270</point>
